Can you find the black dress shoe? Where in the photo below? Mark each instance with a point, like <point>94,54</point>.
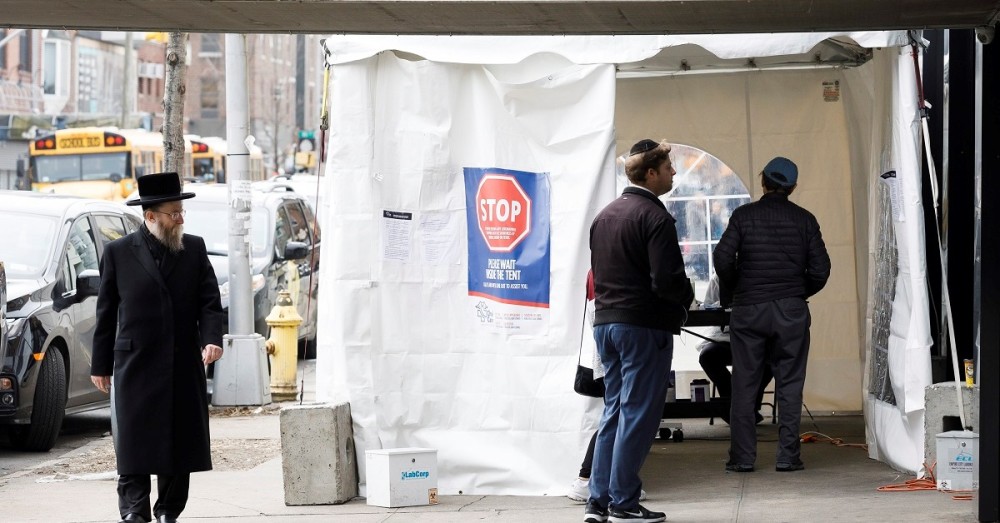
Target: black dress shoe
<point>134,518</point>
<point>163,518</point>
<point>739,467</point>
<point>789,467</point>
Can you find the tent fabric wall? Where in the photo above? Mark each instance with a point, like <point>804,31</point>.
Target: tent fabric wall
<point>895,431</point>
<point>417,368</point>
<point>396,340</point>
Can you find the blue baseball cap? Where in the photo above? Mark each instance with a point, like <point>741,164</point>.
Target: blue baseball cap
<point>782,171</point>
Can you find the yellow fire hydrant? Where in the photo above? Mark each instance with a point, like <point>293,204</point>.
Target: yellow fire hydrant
<point>284,321</point>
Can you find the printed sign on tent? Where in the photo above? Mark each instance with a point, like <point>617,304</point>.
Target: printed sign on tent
<point>508,216</point>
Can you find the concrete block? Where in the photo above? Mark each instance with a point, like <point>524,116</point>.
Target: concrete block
<point>318,458</point>
<point>941,414</point>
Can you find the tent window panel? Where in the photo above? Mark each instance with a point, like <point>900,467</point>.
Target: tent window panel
<point>705,194</point>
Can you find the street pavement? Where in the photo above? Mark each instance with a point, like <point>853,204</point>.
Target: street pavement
<point>686,480</point>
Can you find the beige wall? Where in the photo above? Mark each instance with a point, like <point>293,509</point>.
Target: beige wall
<point>745,120</point>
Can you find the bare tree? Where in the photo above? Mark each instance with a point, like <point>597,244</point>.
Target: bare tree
<point>175,85</point>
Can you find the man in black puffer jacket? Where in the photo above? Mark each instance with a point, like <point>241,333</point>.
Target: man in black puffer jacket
<point>769,260</point>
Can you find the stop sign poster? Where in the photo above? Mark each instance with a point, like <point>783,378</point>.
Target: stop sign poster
<point>508,216</point>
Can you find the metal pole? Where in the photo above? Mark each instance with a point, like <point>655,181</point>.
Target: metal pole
<point>238,165</point>
<point>128,88</point>
<point>241,375</point>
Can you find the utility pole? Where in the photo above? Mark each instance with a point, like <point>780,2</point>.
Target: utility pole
<point>173,104</point>
<point>128,88</point>
<point>241,375</point>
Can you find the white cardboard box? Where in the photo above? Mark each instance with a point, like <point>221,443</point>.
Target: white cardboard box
<point>401,477</point>
<point>957,460</point>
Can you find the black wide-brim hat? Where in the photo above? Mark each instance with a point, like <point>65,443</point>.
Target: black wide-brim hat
<point>158,188</point>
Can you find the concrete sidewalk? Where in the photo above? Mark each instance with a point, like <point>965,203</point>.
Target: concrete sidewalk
<point>686,480</point>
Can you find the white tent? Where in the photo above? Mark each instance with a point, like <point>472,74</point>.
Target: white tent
<point>428,357</point>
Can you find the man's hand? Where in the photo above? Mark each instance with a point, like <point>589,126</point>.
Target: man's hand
<point>103,383</point>
<point>210,353</point>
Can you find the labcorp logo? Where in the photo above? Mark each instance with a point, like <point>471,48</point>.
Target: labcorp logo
<point>414,474</point>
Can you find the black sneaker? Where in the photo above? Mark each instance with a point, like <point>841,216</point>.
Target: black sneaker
<point>789,467</point>
<point>636,515</point>
<point>594,513</point>
<point>739,467</point>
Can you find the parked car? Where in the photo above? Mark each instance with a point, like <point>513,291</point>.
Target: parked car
<point>308,185</point>
<point>51,250</point>
<point>284,244</point>
<point>6,389</point>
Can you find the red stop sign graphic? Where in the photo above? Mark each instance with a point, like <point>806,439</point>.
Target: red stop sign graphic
<point>504,212</point>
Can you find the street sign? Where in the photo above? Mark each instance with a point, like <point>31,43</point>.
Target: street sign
<point>307,141</point>
<point>504,212</point>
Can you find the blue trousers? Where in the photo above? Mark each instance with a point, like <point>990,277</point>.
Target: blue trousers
<point>637,365</point>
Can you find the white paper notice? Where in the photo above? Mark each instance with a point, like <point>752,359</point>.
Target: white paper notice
<point>239,190</point>
<point>895,194</point>
<point>439,237</point>
<point>396,228</point>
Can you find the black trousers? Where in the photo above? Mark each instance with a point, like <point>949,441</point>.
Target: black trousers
<point>588,458</point>
<point>172,494</point>
<point>715,357</point>
<point>774,333</point>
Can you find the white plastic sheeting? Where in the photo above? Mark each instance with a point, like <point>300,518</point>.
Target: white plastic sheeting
<point>418,369</point>
<point>895,431</point>
<point>396,338</point>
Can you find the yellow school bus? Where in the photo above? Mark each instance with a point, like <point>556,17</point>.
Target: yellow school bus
<point>208,158</point>
<point>96,162</point>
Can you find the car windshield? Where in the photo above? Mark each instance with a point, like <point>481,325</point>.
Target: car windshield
<point>27,243</point>
<point>86,167</point>
<point>210,220</point>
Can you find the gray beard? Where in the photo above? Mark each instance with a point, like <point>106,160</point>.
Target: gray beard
<point>173,241</point>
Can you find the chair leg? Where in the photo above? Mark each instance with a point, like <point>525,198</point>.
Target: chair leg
<point>711,421</point>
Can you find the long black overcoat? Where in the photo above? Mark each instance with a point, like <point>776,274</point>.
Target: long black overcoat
<point>151,326</point>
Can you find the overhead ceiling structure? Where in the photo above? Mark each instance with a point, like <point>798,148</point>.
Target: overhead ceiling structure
<point>540,17</point>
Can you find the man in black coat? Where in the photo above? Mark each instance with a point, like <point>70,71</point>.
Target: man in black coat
<point>641,297</point>
<point>159,322</point>
<point>769,260</point>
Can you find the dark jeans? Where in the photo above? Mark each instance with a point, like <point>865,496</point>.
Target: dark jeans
<point>172,494</point>
<point>637,366</point>
<point>714,359</point>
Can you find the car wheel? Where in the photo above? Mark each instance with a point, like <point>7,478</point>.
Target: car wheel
<point>48,408</point>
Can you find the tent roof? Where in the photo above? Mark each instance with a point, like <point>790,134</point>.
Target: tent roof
<point>633,54</point>
<point>500,17</point>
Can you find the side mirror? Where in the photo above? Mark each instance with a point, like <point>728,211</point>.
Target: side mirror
<point>295,251</point>
<point>88,282</point>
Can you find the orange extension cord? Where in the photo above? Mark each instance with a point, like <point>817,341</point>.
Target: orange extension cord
<point>926,483</point>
